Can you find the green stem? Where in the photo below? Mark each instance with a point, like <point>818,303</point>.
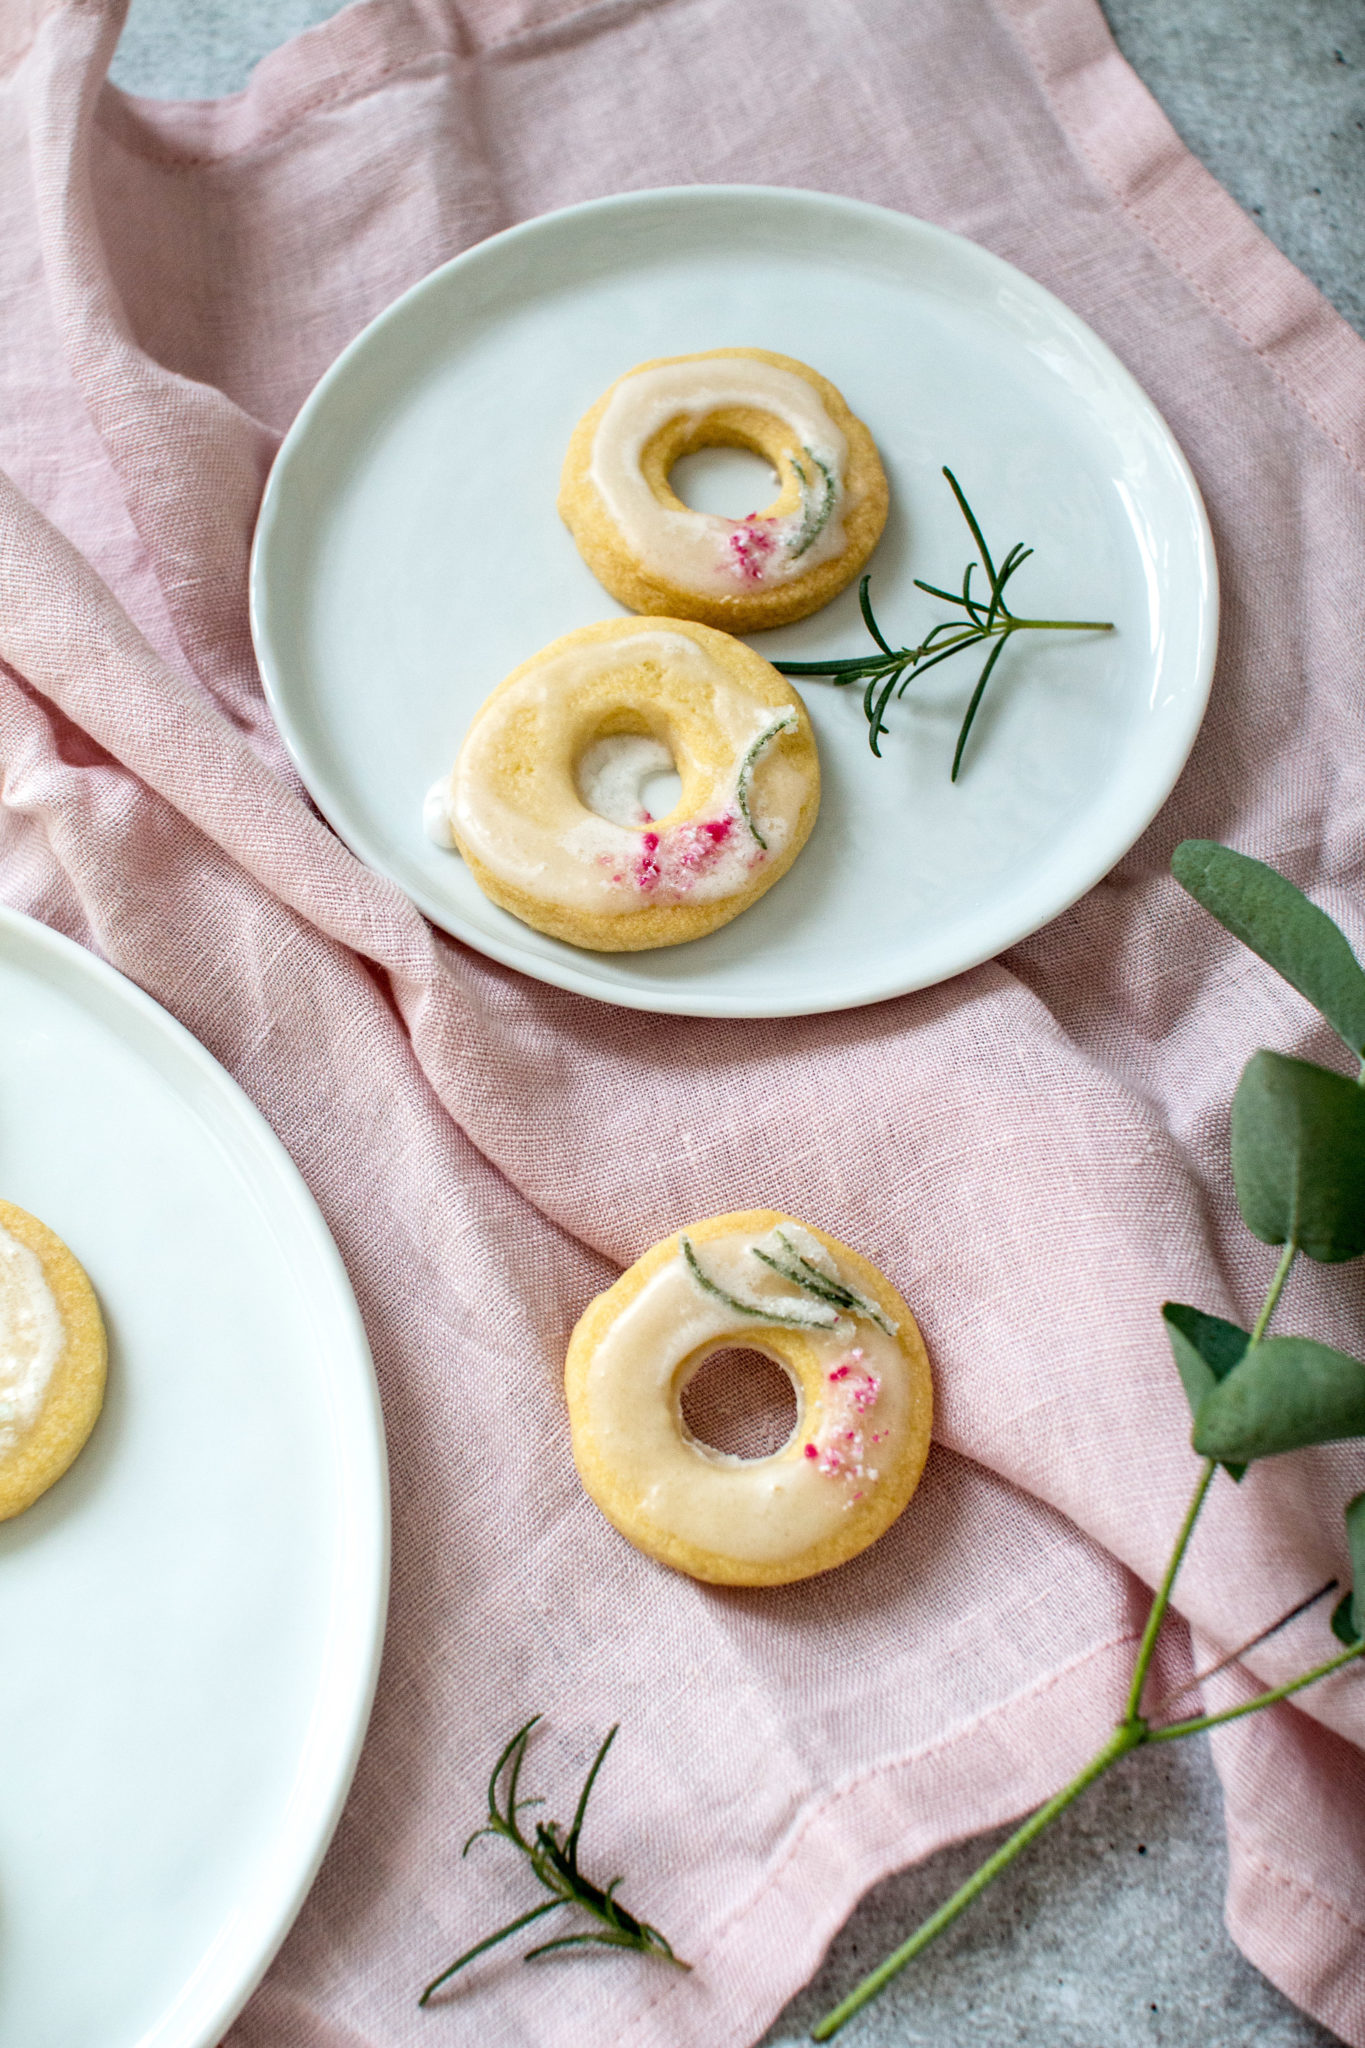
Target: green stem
<point>490,1941</point>
<point>1262,1699</point>
<point>1125,1737</point>
<point>1063,625</point>
<point>1147,1647</point>
<point>1131,1733</point>
<point>1271,1302</point>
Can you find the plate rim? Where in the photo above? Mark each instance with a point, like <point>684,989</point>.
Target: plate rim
<point>678,999</point>
<point>222,1979</point>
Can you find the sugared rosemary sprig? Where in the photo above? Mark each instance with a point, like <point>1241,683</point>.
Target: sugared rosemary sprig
<point>553,1856</point>
<point>986,621</point>
<point>786,723</point>
<point>802,1272</point>
<point>791,1315</point>
<point>814,518</point>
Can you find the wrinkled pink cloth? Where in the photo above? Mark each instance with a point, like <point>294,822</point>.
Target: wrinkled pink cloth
<point>1036,1151</point>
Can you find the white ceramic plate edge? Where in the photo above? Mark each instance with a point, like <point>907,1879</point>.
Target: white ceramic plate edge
<point>1048,902</point>
<point>231,1970</point>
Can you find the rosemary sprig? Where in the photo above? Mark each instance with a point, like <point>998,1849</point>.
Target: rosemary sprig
<point>802,1272</point>
<point>553,1856</point>
<point>786,723</point>
<point>814,518</point>
<point>792,1315</point>
<point>986,622</point>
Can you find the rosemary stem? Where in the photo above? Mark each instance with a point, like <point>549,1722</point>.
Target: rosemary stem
<point>1252,1706</point>
<point>1127,1736</point>
<point>1061,625</point>
<point>490,1941</point>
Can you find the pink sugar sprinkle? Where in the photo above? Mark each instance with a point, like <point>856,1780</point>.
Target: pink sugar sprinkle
<point>750,545</point>
<point>811,1451</point>
<point>671,862</point>
<point>840,1372</point>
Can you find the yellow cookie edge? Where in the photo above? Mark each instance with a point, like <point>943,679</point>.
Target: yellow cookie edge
<point>75,1392</point>
<point>864,1523</point>
<point>664,924</point>
<point>599,542</point>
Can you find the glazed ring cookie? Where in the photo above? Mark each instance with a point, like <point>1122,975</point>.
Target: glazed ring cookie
<point>545,801</point>
<point>657,555</point>
<point>52,1359</point>
<point>831,1321</point>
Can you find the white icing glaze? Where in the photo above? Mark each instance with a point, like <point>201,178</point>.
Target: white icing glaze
<point>31,1338</point>
<point>613,772</point>
<point>700,550</point>
<point>547,841</point>
<point>757,1510</point>
<point>436,815</point>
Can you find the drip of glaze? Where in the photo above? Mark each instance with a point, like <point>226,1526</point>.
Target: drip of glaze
<point>436,815</point>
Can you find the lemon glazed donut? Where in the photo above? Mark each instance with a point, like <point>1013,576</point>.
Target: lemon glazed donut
<point>545,800</point>
<point>656,555</point>
<point>838,1329</point>
<point>52,1359</point>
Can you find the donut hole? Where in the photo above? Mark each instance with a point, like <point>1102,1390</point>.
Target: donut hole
<point>727,481</point>
<point>740,1402</point>
<point>629,778</point>
<point>733,463</point>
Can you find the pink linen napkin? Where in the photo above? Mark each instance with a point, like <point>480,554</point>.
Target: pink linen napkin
<point>1036,1152</point>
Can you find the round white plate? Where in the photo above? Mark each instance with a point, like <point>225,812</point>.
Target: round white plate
<point>192,1616</point>
<point>409,554</point>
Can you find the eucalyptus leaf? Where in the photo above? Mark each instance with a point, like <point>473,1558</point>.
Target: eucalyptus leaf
<point>1286,1392</point>
<point>1348,1621</point>
<point>1298,1156</point>
<point>1266,912</point>
<point>1206,1349</point>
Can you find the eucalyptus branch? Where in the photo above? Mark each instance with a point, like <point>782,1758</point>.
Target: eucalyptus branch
<point>553,1856</point>
<point>1262,1635</point>
<point>1298,1159</point>
<point>1175,1729</point>
<point>985,622</point>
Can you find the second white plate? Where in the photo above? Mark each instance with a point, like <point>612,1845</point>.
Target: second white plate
<point>409,554</point>
<point>192,1616</point>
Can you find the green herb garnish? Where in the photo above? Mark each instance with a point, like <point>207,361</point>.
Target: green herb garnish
<point>803,1273</point>
<point>787,723</point>
<point>986,621</point>
<point>814,518</point>
<point>553,1856</point>
<point>1298,1170</point>
<point>811,1316</point>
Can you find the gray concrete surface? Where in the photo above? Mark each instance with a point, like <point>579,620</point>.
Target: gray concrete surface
<point>1109,1933</point>
<point>1270,94</point>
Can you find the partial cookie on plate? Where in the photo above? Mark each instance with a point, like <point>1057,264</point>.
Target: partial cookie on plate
<point>53,1356</point>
